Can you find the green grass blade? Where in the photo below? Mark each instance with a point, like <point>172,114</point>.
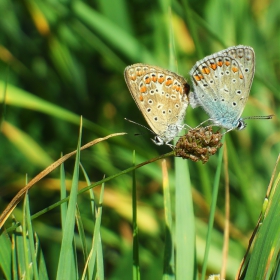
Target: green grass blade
<point>31,247</point>
<point>95,42</point>
<point>82,234</point>
<point>212,211</point>
<point>135,268</point>
<point>190,23</point>
<point>26,145</point>
<point>19,258</point>
<point>26,249</point>
<point>63,195</point>
<point>87,269</point>
<point>111,33</point>
<point>5,255</point>
<point>3,106</point>
<point>264,259</point>
<point>65,264</point>
<point>21,98</point>
<point>96,244</point>
<point>185,227</point>
<point>169,248</point>
<point>43,273</point>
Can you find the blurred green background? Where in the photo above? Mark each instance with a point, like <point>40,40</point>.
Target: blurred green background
<point>63,59</point>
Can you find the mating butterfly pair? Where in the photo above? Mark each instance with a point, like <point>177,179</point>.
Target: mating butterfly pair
<point>221,85</point>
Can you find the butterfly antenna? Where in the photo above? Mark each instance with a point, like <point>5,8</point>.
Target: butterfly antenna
<point>139,125</point>
<point>259,117</point>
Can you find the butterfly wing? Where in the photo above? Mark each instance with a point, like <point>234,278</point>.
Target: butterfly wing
<point>222,83</point>
<point>161,96</point>
<point>245,57</point>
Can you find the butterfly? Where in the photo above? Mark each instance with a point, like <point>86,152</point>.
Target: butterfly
<point>222,83</point>
<point>162,98</point>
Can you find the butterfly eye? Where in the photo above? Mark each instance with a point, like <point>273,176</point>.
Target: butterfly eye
<point>241,125</point>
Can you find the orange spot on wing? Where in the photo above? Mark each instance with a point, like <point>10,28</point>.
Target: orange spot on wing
<point>154,78</point>
<point>205,70</point>
<point>213,66</point>
<point>220,63</point>
<point>147,81</point>
<point>133,78</point>
<point>141,97</point>
<point>234,69</point>
<point>227,63</point>
<point>241,76</point>
<point>161,80</point>
<point>197,77</point>
<point>143,89</point>
<point>168,82</point>
<point>176,88</point>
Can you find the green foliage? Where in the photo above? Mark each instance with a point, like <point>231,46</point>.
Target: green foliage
<point>263,256</point>
<point>63,59</point>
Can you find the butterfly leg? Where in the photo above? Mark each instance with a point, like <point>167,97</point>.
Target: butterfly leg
<point>186,126</point>
<point>208,120</point>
